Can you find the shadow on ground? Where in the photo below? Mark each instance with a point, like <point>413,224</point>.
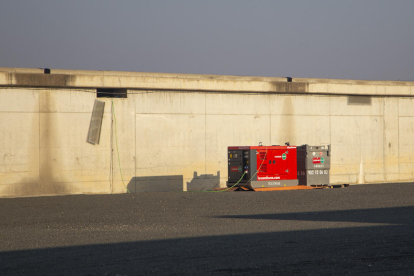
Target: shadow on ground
<point>378,215</point>
<point>378,249</point>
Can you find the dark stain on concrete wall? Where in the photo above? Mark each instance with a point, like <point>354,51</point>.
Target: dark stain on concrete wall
<point>44,183</point>
<point>290,87</point>
<point>46,168</point>
<point>286,121</point>
<point>41,80</point>
<point>28,186</point>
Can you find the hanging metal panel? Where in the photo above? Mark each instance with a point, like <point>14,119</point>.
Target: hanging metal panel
<point>94,133</point>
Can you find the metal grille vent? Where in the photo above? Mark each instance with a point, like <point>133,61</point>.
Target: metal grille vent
<point>359,100</point>
<point>111,93</point>
<point>262,155</point>
<point>94,133</point>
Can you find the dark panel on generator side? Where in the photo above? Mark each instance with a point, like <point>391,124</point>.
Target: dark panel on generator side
<point>252,165</point>
<point>235,166</point>
<point>238,163</point>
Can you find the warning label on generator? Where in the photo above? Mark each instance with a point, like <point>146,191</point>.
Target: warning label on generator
<point>316,160</point>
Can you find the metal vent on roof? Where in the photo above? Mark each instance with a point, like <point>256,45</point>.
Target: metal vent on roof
<point>359,100</point>
<point>94,133</point>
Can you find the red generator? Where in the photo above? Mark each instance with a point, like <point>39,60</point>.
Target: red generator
<point>262,166</point>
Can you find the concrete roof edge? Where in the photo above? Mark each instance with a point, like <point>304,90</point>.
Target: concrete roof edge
<point>353,82</point>
<point>141,74</point>
<point>162,80</point>
<point>22,70</point>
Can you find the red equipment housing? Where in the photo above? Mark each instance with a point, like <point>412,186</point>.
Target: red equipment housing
<point>262,166</point>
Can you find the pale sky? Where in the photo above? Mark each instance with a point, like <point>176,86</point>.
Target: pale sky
<point>347,39</point>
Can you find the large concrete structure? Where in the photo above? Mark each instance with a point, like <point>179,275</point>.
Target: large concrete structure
<point>173,130</point>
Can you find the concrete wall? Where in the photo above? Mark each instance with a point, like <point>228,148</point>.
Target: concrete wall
<point>173,130</point>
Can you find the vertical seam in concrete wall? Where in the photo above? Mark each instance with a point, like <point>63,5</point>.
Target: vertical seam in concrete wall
<point>384,138</point>
<point>330,135</point>
<point>38,112</point>
<point>270,119</point>
<point>330,122</point>
<point>135,143</point>
<point>205,135</point>
<point>111,153</point>
<point>398,133</point>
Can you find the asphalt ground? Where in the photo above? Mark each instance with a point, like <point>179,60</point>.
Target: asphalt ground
<point>361,229</point>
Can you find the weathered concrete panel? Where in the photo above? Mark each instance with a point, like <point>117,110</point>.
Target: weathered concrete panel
<point>357,143</point>
<point>68,130</point>
<point>406,146</point>
<point>341,178</point>
<point>19,100</point>
<point>66,157</point>
<point>237,103</point>
<point>406,107</point>
<point>406,170</point>
<point>64,188</point>
<point>237,130</point>
<point>300,105</point>
<point>19,150</point>
<point>64,100</point>
<point>407,176</point>
<point>299,130</point>
<point>340,106</point>
<point>85,187</point>
<point>169,144</point>
<point>374,178</point>
<point>74,164</point>
<point>124,141</point>
<point>169,102</point>
<point>391,146</point>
